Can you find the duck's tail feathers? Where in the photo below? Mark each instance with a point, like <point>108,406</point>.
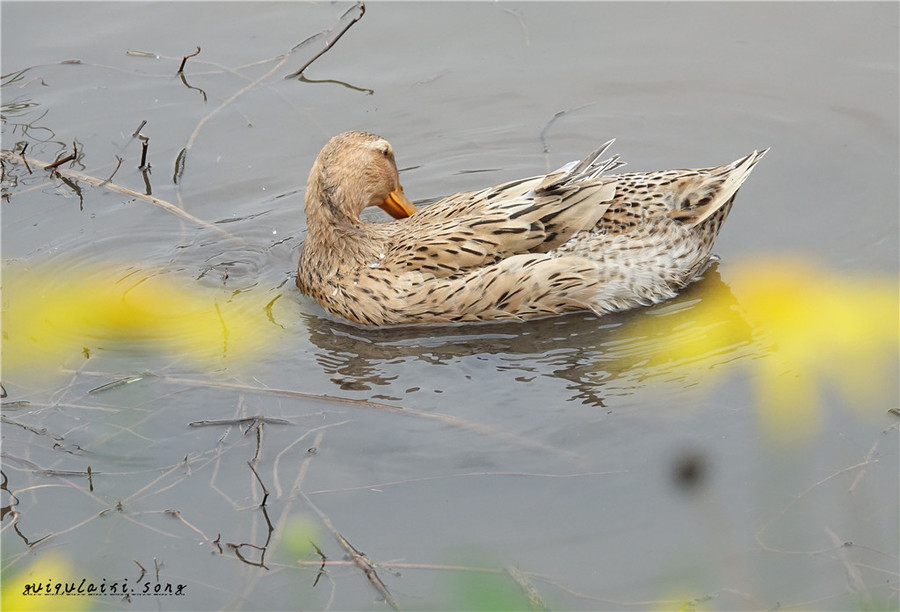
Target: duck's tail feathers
<point>725,181</point>
<point>590,168</point>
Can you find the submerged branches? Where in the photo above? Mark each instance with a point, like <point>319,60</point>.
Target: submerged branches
<point>364,90</point>
<point>179,169</point>
<point>359,558</point>
<point>359,7</point>
<point>185,59</point>
<point>423,414</point>
<point>543,134</point>
<point>62,160</point>
<point>106,184</point>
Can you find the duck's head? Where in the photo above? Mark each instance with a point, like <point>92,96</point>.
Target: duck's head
<point>353,171</point>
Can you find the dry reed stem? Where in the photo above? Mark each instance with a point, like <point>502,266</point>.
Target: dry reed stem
<point>304,467</point>
<point>855,582</point>
<point>231,99</point>
<point>359,559</point>
<point>534,597</point>
<point>285,515</point>
<point>760,533</point>
<point>105,184</point>
<point>444,418</point>
<point>394,483</point>
<point>419,566</point>
<point>362,11</point>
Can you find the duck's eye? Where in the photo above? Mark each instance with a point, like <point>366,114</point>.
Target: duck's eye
<point>385,149</point>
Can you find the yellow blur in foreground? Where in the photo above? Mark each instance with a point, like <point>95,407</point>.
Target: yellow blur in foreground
<point>812,331</point>
<point>52,319</point>
<point>42,586</point>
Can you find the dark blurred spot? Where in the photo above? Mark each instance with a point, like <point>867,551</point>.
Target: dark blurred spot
<point>690,470</point>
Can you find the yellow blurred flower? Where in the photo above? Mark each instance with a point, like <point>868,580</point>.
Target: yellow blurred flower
<point>813,328</point>
<point>51,317</point>
<point>28,589</point>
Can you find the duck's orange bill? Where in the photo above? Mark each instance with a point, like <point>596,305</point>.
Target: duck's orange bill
<point>398,205</point>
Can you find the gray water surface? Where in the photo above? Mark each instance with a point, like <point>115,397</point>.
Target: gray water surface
<point>559,447</point>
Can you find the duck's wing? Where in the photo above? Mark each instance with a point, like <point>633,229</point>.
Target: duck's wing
<point>471,230</point>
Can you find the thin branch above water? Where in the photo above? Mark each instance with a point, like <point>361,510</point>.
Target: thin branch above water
<point>359,6</point>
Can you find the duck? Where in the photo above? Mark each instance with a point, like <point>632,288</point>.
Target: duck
<point>580,238</point>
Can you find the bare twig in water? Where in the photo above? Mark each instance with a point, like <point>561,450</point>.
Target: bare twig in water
<point>534,597</point>
<point>286,513</point>
<point>182,157</point>
<point>393,483</point>
<point>32,429</point>
<point>179,166</point>
<point>59,162</point>
<point>268,311</point>
<point>146,174</point>
<point>119,161</point>
<point>869,458</point>
<point>543,136</point>
<point>321,571</point>
<point>444,418</point>
<point>265,547</point>
<point>76,189</point>
<point>80,176</point>
<point>116,383</point>
<point>855,580</point>
<point>362,11</point>
<point>177,515</point>
<point>138,130</point>
<point>145,144</point>
<point>259,437</point>
<point>14,501</point>
<point>419,566</point>
<point>186,84</point>
<point>364,90</point>
<point>237,552</point>
<point>64,473</point>
<point>760,535</point>
<point>361,560</point>
<point>27,167</point>
<point>252,419</point>
<point>185,59</point>
<point>515,13</point>
<point>259,480</point>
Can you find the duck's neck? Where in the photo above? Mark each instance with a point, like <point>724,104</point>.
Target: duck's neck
<point>333,239</point>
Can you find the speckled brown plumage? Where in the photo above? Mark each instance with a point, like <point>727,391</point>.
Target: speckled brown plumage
<point>575,239</point>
